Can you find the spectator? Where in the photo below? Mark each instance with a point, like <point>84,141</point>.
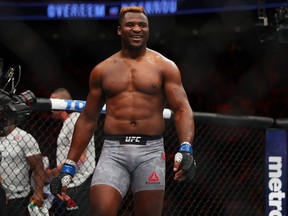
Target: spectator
<point>78,189</point>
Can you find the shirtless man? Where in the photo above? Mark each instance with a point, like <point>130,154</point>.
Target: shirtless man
<point>135,83</point>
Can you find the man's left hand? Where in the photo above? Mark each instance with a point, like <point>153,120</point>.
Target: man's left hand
<point>184,163</point>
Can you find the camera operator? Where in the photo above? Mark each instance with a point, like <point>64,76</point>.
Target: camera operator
<point>20,154</point>
<point>3,100</point>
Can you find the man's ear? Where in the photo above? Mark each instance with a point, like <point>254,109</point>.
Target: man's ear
<point>119,30</point>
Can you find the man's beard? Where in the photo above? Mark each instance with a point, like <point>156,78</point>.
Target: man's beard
<point>135,48</point>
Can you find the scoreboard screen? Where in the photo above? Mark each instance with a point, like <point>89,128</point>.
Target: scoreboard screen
<point>109,10</point>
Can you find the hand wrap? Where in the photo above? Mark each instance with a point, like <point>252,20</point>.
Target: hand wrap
<point>185,157</point>
<point>64,178</point>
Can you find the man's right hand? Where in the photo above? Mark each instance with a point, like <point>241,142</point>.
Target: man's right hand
<point>59,184</point>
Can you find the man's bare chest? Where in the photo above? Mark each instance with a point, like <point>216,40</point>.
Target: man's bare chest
<point>146,79</point>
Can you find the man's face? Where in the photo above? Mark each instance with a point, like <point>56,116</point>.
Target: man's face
<point>134,30</point>
<point>6,123</point>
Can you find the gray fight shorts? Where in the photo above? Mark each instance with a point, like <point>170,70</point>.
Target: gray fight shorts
<point>136,161</point>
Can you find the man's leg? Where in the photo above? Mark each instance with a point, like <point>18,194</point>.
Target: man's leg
<point>148,180</point>
<point>104,200</point>
<point>110,181</point>
<point>149,203</point>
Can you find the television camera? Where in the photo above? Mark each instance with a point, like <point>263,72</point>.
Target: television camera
<point>13,106</point>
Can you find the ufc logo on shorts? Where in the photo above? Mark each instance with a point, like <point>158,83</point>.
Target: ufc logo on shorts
<point>132,139</point>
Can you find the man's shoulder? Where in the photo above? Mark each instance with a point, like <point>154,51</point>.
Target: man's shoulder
<point>157,55</point>
<point>107,63</point>
<point>19,131</point>
<point>161,60</point>
<point>114,57</point>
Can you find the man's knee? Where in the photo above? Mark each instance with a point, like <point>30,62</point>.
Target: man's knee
<point>149,203</point>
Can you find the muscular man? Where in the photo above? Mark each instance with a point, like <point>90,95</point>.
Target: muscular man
<point>136,84</point>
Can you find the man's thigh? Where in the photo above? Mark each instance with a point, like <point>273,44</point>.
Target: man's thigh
<point>149,202</point>
<point>104,200</point>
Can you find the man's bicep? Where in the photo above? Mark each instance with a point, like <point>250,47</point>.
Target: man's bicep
<point>94,104</point>
<point>174,91</point>
<point>176,96</point>
<point>95,98</point>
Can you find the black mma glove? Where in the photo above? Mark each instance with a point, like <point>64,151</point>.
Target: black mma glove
<point>64,178</point>
<point>185,157</point>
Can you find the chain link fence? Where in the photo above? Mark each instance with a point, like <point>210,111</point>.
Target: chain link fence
<point>230,158</point>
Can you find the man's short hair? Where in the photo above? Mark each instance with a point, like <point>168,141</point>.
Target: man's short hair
<point>63,93</point>
<point>135,9</point>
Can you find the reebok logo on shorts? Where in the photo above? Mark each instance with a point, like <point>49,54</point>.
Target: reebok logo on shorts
<point>153,179</point>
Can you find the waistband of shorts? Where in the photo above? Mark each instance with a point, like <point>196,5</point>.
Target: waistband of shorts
<point>132,139</point>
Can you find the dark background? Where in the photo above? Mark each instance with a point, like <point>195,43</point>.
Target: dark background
<point>230,62</point>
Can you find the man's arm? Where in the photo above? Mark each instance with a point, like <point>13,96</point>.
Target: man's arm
<point>87,121</point>
<point>83,131</point>
<point>178,103</point>
<point>36,164</point>
<point>50,173</point>
<point>184,165</point>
